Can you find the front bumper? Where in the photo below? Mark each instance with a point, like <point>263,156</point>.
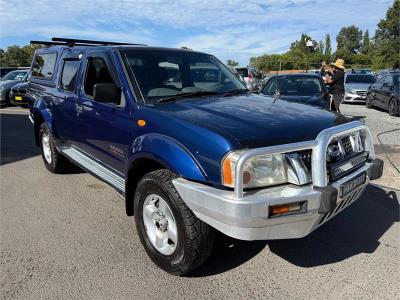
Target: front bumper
<point>245,214</point>
<point>354,98</point>
<point>18,99</point>
<point>248,218</point>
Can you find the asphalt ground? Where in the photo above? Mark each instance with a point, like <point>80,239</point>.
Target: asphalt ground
<point>67,237</point>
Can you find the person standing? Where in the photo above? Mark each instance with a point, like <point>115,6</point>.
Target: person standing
<point>336,83</point>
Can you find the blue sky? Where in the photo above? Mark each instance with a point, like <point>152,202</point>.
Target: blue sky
<point>228,29</point>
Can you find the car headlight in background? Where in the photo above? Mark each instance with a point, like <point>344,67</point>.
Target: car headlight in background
<point>350,91</point>
<point>258,171</point>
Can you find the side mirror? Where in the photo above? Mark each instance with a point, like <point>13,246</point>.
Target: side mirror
<point>107,93</point>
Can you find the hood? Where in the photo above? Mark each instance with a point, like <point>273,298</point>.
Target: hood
<point>358,86</point>
<point>7,84</point>
<point>316,100</point>
<point>255,120</point>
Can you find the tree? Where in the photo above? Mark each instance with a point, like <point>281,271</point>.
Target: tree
<point>321,47</point>
<point>328,47</point>
<point>231,62</point>
<point>348,42</point>
<point>365,44</point>
<point>386,46</point>
<point>16,56</point>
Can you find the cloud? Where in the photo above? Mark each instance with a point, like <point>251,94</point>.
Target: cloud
<point>229,29</point>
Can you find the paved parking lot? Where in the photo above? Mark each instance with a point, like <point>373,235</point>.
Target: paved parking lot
<point>67,236</point>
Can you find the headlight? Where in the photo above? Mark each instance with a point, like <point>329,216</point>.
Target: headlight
<point>258,171</point>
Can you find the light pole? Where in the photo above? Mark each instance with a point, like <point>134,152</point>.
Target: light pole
<point>309,44</point>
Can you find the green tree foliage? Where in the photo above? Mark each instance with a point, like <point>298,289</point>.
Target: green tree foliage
<point>386,47</point>
<point>328,47</point>
<point>348,42</point>
<point>16,56</point>
<point>231,62</point>
<point>365,44</point>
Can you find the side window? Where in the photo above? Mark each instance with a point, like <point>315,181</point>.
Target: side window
<point>379,82</point>
<point>44,64</point>
<point>96,72</point>
<point>69,73</point>
<point>270,88</point>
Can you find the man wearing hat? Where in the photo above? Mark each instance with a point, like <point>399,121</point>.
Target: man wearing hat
<point>336,83</point>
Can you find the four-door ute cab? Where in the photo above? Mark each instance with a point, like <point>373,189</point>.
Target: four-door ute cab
<point>191,150</point>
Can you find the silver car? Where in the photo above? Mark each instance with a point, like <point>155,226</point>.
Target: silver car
<point>356,87</point>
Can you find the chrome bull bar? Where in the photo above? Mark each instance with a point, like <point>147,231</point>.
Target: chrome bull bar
<point>318,147</point>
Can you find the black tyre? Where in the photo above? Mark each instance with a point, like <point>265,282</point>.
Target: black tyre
<point>54,161</point>
<point>368,101</point>
<point>394,109</point>
<point>174,238</point>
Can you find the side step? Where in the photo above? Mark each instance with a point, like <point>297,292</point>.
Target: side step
<point>94,167</point>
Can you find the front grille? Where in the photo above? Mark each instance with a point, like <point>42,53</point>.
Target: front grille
<point>344,155</point>
<point>305,157</point>
<point>361,93</point>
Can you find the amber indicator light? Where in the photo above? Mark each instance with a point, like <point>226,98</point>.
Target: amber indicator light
<point>141,123</point>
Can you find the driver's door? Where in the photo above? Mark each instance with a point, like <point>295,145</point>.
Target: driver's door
<point>105,140</point>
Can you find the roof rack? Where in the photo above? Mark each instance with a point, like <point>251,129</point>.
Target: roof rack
<point>78,42</point>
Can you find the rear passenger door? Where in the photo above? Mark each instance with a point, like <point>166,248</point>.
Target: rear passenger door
<point>106,138</point>
<point>66,122</point>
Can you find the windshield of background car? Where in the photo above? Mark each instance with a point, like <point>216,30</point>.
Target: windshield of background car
<point>293,86</point>
<point>360,79</point>
<point>15,75</point>
<point>167,73</point>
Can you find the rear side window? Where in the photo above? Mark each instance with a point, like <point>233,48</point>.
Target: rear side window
<point>44,64</point>
<point>69,73</point>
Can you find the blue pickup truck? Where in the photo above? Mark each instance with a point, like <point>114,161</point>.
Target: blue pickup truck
<point>191,149</point>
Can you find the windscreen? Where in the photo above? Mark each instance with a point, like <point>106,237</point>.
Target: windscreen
<point>15,75</point>
<point>294,86</point>
<point>167,73</point>
<point>360,79</point>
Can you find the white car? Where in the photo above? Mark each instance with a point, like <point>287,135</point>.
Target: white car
<point>356,87</point>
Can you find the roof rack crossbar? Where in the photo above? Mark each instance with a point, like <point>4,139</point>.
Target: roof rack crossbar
<point>47,43</point>
<point>79,41</point>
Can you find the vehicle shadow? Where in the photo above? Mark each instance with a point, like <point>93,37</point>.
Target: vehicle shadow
<point>17,140</point>
<point>354,231</point>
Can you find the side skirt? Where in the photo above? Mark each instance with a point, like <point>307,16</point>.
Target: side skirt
<point>92,166</point>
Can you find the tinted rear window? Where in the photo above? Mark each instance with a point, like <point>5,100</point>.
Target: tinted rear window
<point>69,73</point>
<point>44,64</point>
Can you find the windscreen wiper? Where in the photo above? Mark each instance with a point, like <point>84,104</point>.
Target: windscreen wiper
<point>186,95</point>
<point>236,91</point>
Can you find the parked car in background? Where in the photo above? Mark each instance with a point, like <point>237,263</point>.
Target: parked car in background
<point>385,93</point>
<point>234,71</point>
<point>360,71</point>
<point>356,87</point>
<point>306,88</point>
<point>314,71</point>
<point>253,79</point>
<point>18,94</point>
<point>7,82</point>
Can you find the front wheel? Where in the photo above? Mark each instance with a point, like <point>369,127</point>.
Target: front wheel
<point>173,237</point>
<point>368,101</point>
<point>394,109</point>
